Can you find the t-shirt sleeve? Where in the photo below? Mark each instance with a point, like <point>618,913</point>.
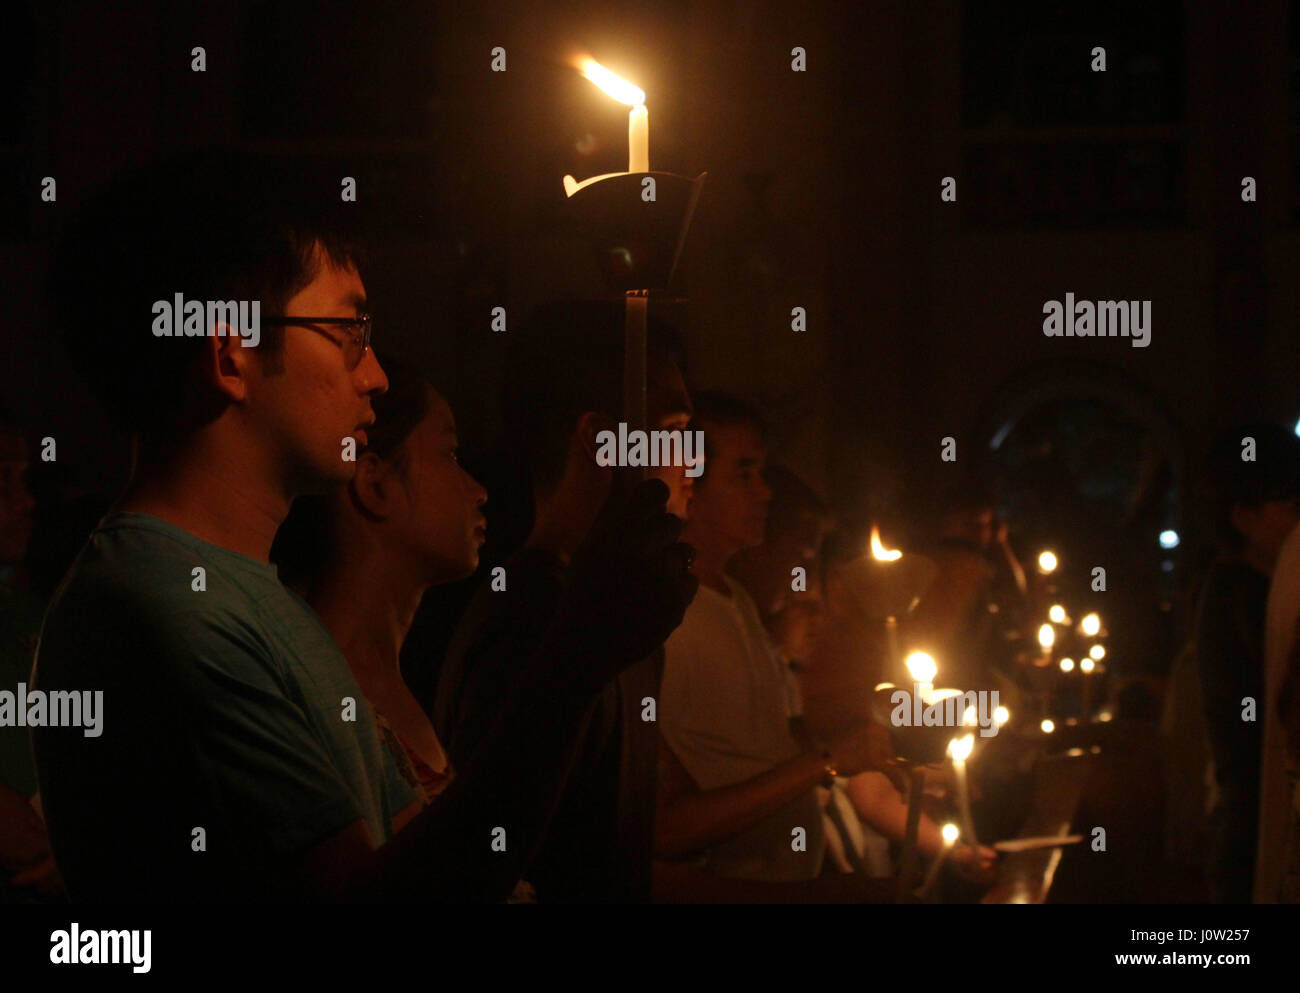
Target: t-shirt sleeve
<point>254,745</point>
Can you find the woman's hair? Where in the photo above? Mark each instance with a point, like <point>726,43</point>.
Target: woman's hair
<point>302,545</point>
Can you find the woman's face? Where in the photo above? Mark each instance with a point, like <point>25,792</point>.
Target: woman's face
<point>437,511</point>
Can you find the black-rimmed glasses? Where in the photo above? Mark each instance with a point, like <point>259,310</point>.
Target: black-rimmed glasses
<point>354,347</point>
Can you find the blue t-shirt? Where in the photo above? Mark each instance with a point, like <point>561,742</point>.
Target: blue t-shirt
<point>224,709</point>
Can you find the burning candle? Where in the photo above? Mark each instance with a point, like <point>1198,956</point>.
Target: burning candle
<point>949,832</point>
<point>1046,638</point>
<point>1047,562</point>
<point>638,118</point>
<point>959,750</point>
<point>882,554</point>
<point>923,670</point>
<point>1056,614</point>
<point>1090,625</point>
<point>879,552</point>
<point>1086,666</point>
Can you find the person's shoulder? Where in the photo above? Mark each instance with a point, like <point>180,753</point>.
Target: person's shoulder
<point>137,590</point>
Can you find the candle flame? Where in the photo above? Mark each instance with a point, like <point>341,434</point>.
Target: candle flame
<point>960,748</point>
<point>969,718</point>
<point>1047,562</point>
<point>1001,716</point>
<point>1090,625</point>
<point>1046,636</point>
<point>1097,652</point>
<point>616,86</point>
<point>949,832</point>
<point>1087,665</point>
<point>1057,614</point>
<point>1067,665</point>
<point>922,667</point>
<point>879,552</point>
<point>1048,726</point>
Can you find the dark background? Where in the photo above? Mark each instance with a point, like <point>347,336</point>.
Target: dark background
<point>924,318</point>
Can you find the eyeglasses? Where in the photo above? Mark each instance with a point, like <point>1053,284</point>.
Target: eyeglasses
<point>354,347</point>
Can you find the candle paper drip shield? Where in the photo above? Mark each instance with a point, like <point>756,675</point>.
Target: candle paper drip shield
<point>636,242</point>
<point>919,745</point>
<point>888,589</point>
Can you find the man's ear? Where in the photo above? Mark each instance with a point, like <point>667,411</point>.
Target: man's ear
<point>591,424</point>
<point>227,362</point>
<point>372,487</point>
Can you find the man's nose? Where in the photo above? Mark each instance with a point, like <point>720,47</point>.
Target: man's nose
<point>371,378</point>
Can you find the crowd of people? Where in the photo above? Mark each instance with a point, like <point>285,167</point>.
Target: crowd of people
<point>637,704</point>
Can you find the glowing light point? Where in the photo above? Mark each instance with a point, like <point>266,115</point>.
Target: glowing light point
<point>922,667</point>
<point>1046,637</point>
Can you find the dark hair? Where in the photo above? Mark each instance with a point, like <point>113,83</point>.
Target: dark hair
<point>1273,475</point>
<point>567,360</point>
<point>210,225</point>
<point>723,410</point>
<point>302,545</point>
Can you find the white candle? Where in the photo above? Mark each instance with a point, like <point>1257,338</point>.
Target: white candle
<point>638,139</point>
<point>949,840</point>
<point>960,749</point>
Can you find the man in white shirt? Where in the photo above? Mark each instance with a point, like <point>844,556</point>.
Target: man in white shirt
<point>737,788</point>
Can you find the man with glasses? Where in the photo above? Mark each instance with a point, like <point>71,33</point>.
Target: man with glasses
<point>238,759</point>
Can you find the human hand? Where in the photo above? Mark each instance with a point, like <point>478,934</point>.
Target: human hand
<point>976,864</point>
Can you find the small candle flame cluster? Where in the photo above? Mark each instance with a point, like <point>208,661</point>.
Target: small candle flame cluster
<point>1061,633</point>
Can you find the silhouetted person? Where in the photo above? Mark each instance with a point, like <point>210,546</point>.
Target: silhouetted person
<point>1255,504</point>
<point>27,869</point>
<point>562,389</point>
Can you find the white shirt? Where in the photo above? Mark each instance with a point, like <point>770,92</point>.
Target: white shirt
<point>725,709</point>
